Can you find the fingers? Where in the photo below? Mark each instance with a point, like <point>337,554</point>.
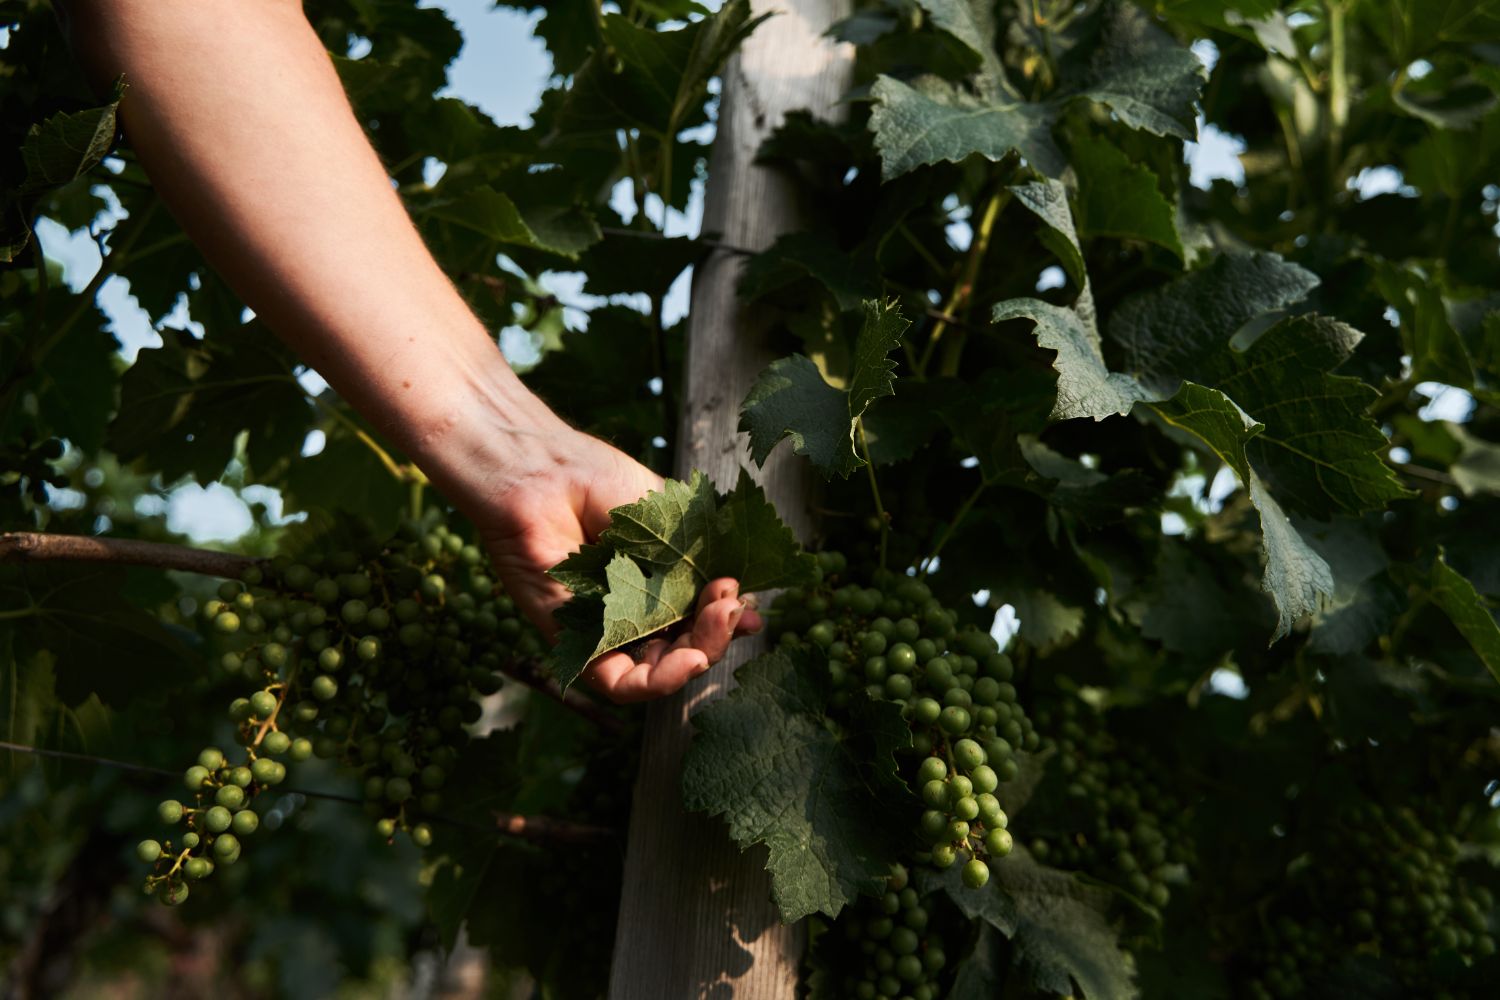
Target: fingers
<point>660,671</point>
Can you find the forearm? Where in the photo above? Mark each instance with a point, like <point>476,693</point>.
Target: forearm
<point>239,118</point>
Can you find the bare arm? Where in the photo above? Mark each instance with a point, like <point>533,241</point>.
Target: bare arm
<point>238,117</point>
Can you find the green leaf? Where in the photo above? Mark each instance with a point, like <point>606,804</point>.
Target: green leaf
<point>1414,28</point>
<point>1045,621</point>
<point>931,121</point>
<point>1121,199</point>
<point>815,791</point>
<point>1318,448</point>
<point>491,215</point>
<point>99,642</point>
<point>346,476</point>
<point>650,563</point>
<point>67,145</point>
<point>652,80</point>
<point>1142,74</point>
<point>792,398</point>
<point>850,277</point>
<point>183,404</point>
<point>1437,352</point>
<point>1085,385</point>
<point>1298,580</point>
<point>1176,330</point>
<point>1468,611</point>
<point>1047,199</point>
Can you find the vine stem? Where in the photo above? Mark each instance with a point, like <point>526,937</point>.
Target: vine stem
<point>32,546</point>
<point>885,521</point>
<point>539,829</point>
<point>1338,84</point>
<point>959,515</point>
<point>546,830</point>
<point>963,290</point>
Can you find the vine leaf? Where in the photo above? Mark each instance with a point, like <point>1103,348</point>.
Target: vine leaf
<point>494,217</point>
<point>1135,69</point>
<point>1085,385</point>
<point>770,760</point>
<point>791,398</point>
<point>1062,939</point>
<point>1122,199</point>
<point>1297,578</point>
<point>55,152</point>
<point>1047,199</point>
<point>1469,612</point>
<point>646,570</point>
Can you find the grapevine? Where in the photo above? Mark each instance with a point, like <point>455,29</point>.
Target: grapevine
<point>373,656</point>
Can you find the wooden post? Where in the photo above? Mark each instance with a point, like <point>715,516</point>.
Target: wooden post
<point>696,918</point>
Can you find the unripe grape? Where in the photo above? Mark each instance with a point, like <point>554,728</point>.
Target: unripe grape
<point>226,846</point>
<point>330,659</point>
<point>325,591</point>
<point>959,786</point>
<point>226,622</point>
<point>170,811</point>
<point>148,851</point>
<point>954,720</point>
<point>933,826</point>
<point>968,754</point>
<point>197,869</point>
<point>211,759</point>
<point>301,749</point>
<point>957,830</point>
<point>173,893</point>
<point>421,835</point>
<point>190,840</point>
<point>230,796</point>
<point>194,777</point>
<point>909,969</point>
<point>240,775</point>
<point>368,648</point>
<point>378,620</point>
<point>218,818</point>
<point>966,808</point>
<point>324,688</point>
<point>943,856</point>
<point>935,793</point>
<point>262,704</point>
<point>926,711</point>
<point>397,790</point>
<point>932,769</point>
<point>975,874</point>
<point>998,842</point>
<point>265,770</point>
<point>989,809</point>
<point>275,742</point>
<point>984,778</point>
<point>245,822</point>
<point>304,711</point>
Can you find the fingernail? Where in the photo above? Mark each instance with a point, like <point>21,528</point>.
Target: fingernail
<point>734,619</point>
<point>749,601</point>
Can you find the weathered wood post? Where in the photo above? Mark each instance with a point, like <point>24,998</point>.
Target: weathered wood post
<point>696,918</point>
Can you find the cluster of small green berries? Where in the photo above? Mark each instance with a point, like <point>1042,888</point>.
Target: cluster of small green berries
<point>1129,828</point>
<point>373,657</point>
<point>886,947</point>
<point>1385,884</point>
<point>893,641</point>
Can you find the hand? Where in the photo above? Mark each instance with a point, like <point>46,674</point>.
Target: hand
<point>545,513</point>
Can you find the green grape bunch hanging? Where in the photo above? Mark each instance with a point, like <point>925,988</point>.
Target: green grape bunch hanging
<point>375,658</point>
<point>893,641</point>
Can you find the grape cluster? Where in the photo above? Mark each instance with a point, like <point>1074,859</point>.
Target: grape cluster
<point>1382,882</point>
<point>890,943</point>
<point>371,656</point>
<point>894,641</point>
<point>1127,826</point>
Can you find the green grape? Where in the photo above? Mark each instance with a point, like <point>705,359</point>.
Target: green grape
<point>173,893</point>
<point>397,789</point>
<point>245,822</point>
<point>368,648</point>
<point>275,742</point>
<point>241,776</point>
<point>975,874</point>
<point>998,842</point>
<point>197,869</point>
<point>230,796</point>
<point>211,759</point>
<point>217,819</point>
<point>968,754</point>
<point>148,851</point>
<point>935,793</point>
<point>170,811</point>
<point>262,704</point>
<point>265,770</point>
<point>943,856</point>
<point>330,659</point>
<point>386,827</point>
<point>226,622</point>
<point>301,749</point>
<point>324,688</point>
<point>932,769</point>
<point>954,720</point>
<point>195,777</point>
<point>984,778</point>
<point>190,840</point>
<point>226,846</point>
<point>421,835</point>
<point>966,808</point>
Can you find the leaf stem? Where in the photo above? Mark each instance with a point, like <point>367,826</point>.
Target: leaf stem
<point>963,290</point>
<point>885,521</point>
<point>1338,85</point>
<point>402,473</point>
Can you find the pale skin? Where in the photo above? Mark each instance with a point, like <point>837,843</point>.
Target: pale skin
<point>236,113</point>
